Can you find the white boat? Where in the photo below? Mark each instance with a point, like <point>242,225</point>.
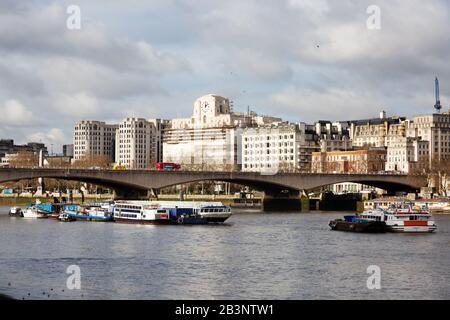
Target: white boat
<point>218,213</point>
<point>34,213</point>
<point>15,212</point>
<point>407,218</point>
<point>170,212</point>
<point>140,213</point>
<point>65,217</point>
<point>403,218</point>
<point>205,212</point>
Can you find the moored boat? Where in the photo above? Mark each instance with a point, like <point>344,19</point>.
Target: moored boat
<point>170,212</point>
<point>90,212</point>
<point>15,212</point>
<point>215,213</point>
<point>33,212</point>
<point>187,212</point>
<point>65,217</point>
<point>140,213</point>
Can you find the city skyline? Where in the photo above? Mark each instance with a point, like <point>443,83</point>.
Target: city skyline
<point>242,152</point>
<point>69,141</point>
<point>316,60</point>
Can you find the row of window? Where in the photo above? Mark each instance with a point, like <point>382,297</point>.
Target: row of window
<point>259,138</point>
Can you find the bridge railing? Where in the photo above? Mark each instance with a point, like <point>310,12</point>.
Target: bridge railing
<point>381,173</point>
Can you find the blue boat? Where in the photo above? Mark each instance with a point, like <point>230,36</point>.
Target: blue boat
<point>171,212</point>
<point>100,213</point>
<point>195,212</point>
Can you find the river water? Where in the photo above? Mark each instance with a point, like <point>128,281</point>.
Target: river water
<point>254,256</point>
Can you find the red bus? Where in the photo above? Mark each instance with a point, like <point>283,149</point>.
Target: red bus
<point>167,166</point>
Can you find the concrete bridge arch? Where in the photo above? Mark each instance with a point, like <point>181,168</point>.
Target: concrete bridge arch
<point>141,180</point>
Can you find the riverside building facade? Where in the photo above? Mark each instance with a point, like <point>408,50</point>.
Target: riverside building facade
<point>434,128</point>
<point>406,153</point>
<point>278,147</point>
<point>94,138</point>
<point>376,132</point>
<point>370,160</point>
<point>211,138</point>
<point>138,143</point>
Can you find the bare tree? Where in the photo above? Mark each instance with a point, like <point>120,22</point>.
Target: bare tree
<point>93,161</point>
<point>437,173</point>
<point>441,170</point>
<point>24,159</point>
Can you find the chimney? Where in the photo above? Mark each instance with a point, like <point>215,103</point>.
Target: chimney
<point>383,114</point>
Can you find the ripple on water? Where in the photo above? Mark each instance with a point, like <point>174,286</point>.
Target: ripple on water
<point>255,256</point>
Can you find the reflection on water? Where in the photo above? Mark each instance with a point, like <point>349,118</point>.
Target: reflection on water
<point>255,256</point>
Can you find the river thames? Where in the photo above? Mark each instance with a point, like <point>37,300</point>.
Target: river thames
<point>254,256</point>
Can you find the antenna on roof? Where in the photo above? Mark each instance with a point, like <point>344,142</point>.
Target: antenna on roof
<point>437,106</point>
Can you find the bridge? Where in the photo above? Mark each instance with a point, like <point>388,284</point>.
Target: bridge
<point>133,184</point>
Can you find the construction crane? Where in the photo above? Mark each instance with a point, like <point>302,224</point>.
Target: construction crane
<point>437,106</point>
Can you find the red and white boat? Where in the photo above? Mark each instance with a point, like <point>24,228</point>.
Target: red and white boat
<point>405,217</point>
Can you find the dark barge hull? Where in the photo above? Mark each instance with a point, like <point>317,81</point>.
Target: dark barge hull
<point>363,227</point>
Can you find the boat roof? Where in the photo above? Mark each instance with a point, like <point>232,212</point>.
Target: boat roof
<point>180,204</point>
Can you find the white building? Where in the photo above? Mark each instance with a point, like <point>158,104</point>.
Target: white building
<point>376,132</point>
<point>404,153</point>
<point>278,147</point>
<point>94,138</point>
<point>434,128</point>
<point>210,139</point>
<point>5,161</point>
<point>138,143</point>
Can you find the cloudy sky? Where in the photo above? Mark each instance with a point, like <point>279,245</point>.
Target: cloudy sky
<point>303,60</point>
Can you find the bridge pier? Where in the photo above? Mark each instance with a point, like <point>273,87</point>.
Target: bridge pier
<point>290,201</point>
<point>131,194</point>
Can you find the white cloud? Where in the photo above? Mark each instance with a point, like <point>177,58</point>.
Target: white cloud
<point>13,113</point>
<point>313,8</point>
<point>79,105</point>
<point>54,136</point>
<point>312,59</point>
<point>331,104</point>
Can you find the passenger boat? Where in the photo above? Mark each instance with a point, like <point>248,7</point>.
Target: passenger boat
<point>187,212</point>
<point>32,212</point>
<point>15,212</point>
<point>170,212</point>
<point>433,205</point>
<point>140,213</point>
<point>406,218</point>
<point>90,212</point>
<point>365,223</point>
<point>400,218</point>
<point>215,213</point>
